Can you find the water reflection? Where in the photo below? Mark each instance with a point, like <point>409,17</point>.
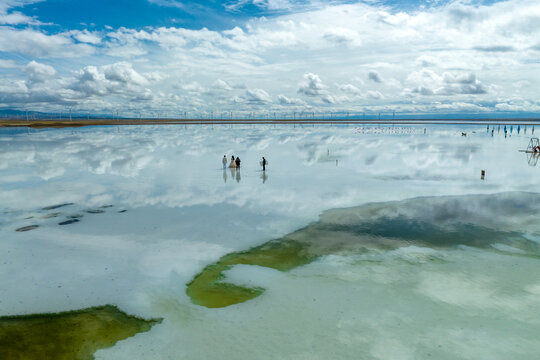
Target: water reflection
<point>264,176</point>
<point>235,175</point>
<point>532,159</point>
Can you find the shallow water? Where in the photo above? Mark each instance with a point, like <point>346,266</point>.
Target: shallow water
<point>449,275</point>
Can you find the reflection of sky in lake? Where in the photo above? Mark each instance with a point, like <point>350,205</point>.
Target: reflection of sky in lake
<point>184,212</point>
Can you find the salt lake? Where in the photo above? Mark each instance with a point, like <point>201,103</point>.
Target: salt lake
<point>371,242</point>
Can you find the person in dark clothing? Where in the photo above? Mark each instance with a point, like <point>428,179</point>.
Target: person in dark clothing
<point>264,164</point>
<point>238,162</point>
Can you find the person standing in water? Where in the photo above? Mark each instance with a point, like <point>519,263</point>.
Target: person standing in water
<point>233,163</point>
<point>237,162</point>
<point>224,161</point>
<point>264,163</point>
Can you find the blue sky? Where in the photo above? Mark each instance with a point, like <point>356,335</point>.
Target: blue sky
<point>175,57</point>
<point>134,14</point>
<point>215,15</point>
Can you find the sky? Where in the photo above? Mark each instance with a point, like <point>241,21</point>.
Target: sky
<point>173,58</point>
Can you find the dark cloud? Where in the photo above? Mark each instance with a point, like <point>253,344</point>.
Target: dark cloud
<point>494,48</point>
<point>422,90</point>
<point>374,76</point>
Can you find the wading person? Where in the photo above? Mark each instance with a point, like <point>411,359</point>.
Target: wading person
<point>232,165</point>
<point>264,164</point>
<point>224,161</point>
<point>238,162</point>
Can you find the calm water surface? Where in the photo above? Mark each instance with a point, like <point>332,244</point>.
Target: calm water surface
<point>453,274</point>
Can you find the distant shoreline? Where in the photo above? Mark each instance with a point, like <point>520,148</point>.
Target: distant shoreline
<point>63,123</point>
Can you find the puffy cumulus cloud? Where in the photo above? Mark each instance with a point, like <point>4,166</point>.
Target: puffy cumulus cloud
<point>193,88</point>
<point>123,72</point>
<point>38,72</point>
<point>449,83</point>
<point>349,88</point>
<point>257,96</point>
<point>328,99</point>
<point>459,50</point>
<point>284,100</point>
<point>222,85</point>
<point>114,79</point>
<point>375,95</point>
<point>86,36</point>
<point>312,86</point>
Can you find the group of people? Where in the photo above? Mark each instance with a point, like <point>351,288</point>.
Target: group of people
<point>235,162</point>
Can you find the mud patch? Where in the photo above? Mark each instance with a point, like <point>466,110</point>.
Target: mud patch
<point>51,215</point>
<point>68,222</point>
<point>56,206</point>
<point>94,211</point>
<point>27,228</point>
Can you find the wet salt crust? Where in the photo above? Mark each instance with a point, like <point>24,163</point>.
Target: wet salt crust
<point>393,282</point>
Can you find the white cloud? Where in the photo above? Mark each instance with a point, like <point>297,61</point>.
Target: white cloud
<point>119,79</point>
<point>284,100</point>
<point>8,17</point>
<point>449,83</point>
<point>222,85</point>
<point>257,96</point>
<point>313,85</point>
<point>86,36</point>
<point>349,88</point>
<point>36,43</point>
<point>452,53</point>
<point>376,95</point>
<point>123,72</point>
<point>38,72</point>
<point>194,88</point>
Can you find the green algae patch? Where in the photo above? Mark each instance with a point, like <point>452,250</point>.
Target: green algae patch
<point>481,221</point>
<point>73,335</point>
<point>208,289</point>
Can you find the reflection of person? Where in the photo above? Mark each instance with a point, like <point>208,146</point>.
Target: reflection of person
<point>233,163</point>
<point>224,175</point>
<point>264,164</point>
<point>224,161</point>
<point>264,177</point>
<point>238,178</point>
<point>238,162</point>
